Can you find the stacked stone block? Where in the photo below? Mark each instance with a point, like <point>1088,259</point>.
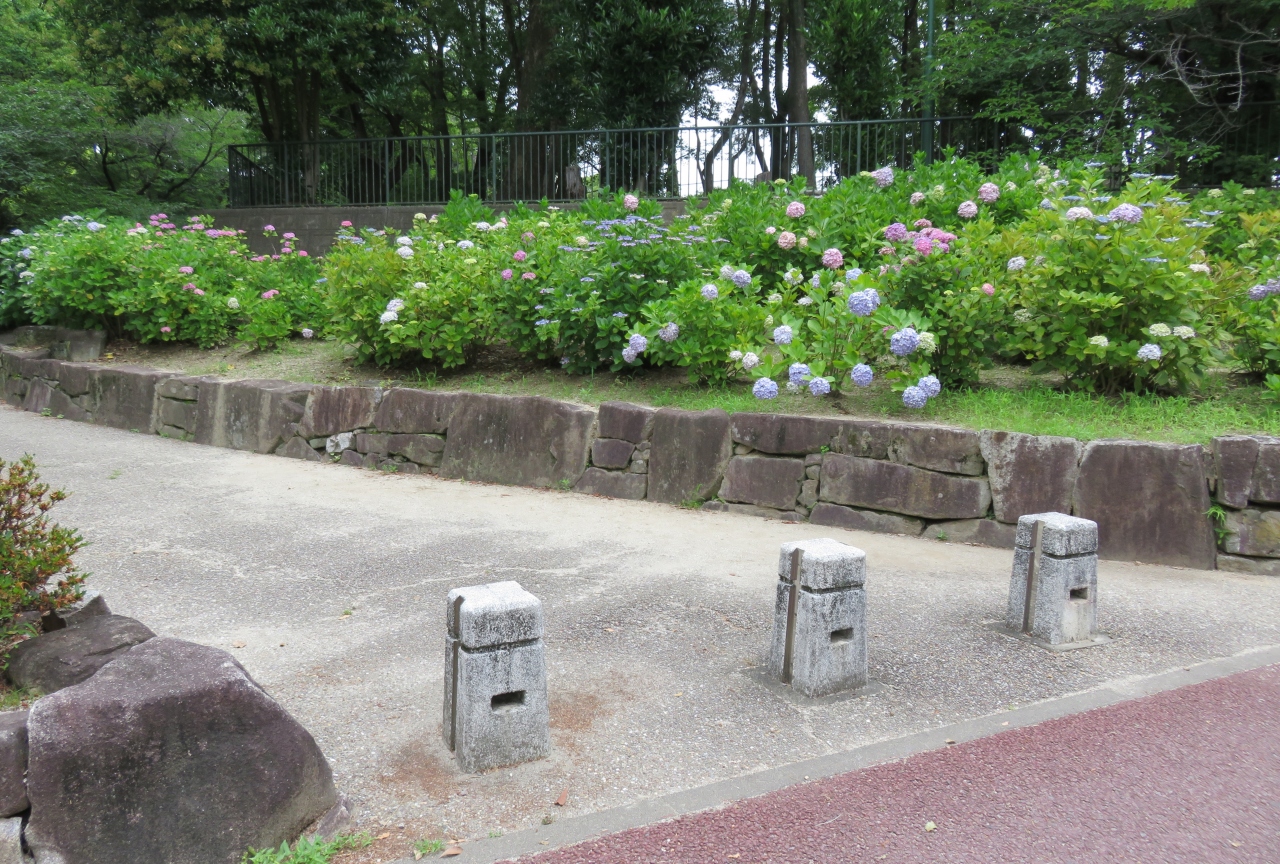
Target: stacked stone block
<point>828,645</point>
<point>495,677</point>
<point>1056,560</point>
<point>1247,475</point>
<point>619,463</point>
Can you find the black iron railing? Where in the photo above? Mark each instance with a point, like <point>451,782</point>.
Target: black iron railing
<point>679,162</point>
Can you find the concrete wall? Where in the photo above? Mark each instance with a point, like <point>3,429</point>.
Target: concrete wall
<point>1151,501</point>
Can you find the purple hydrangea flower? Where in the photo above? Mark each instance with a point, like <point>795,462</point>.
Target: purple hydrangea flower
<point>710,292</point>
<point>861,375</point>
<point>988,193</point>
<point>638,343</point>
<point>819,386</point>
<point>930,385</point>
<point>741,278</point>
<point>967,210</point>
<point>1126,213</point>
<point>628,355</point>
<point>669,332</point>
<point>797,372</point>
<point>914,397</point>
<point>904,342</point>
<point>831,259</point>
<point>1151,352</point>
<point>764,388</point>
<point>896,232</point>
<point>883,176</point>
<point>861,304</point>
<point>924,245</point>
<point>782,335</point>
<point>1259,292</point>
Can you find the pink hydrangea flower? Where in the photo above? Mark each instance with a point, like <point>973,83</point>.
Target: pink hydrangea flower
<point>795,209</point>
<point>528,276</point>
<point>166,330</point>
<point>507,274</point>
<point>631,202</point>
<point>527,236</point>
<point>988,288</point>
<point>197,292</point>
<point>268,227</point>
<point>989,193</point>
<point>520,255</point>
<point>302,253</point>
<point>924,245</point>
<point>267,295</point>
<point>917,198</point>
<point>886,250</point>
<point>967,210</point>
<point>786,240</point>
<point>190,286</point>
<point>771,230</point>
<point>923,223</point>
<point>186,269</point>
<point>831,259</point>
<point>289,235</point>
<point>346,223</point>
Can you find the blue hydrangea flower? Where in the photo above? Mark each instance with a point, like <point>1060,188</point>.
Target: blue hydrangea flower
<point>669,332</point>
<point>860,304</point>
<point>1046,204</point>
<point>765,389</point>
<point>628,355</point>
<point>782,335</point>
<point>819,386</point>
<point>619,314</point>
<point>930,385</point>
<point>904,342</point>
<point>816,281</point>
<point>1150,352</point>
<point>465,244</point>
<point>861,375</point>
<point>586,279</point>
<point>853,274</point>
<point>741,278</point>
<point>914,397</point>
<point>797,372</point>
<point>541,322</point>
<point>710,292</point>
<point>638,343</point>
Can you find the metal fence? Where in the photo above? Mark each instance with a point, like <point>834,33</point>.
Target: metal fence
<point>664,163</point>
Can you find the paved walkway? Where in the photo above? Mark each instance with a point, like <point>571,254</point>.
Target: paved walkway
<point>1189,775</point>
<point>329,585</point>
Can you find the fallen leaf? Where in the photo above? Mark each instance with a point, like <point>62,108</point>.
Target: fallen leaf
<point>563,799</point>
<point>1234,843</point>
<point>734,855</point>
<point>417,856</point>
<point>608,629</point>
<point>237,644</point>
<point>383,836</point>
<point>451,851</point>
<point>951,740</point>
<point>929,826</point>
<point>681,693</point>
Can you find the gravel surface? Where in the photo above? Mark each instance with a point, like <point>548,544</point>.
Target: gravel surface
<point>1191,775</point>
<point>334,580</point>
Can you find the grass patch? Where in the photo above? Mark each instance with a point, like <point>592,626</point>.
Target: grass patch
<point>1007,398</point>
<point>307,851</point>
<point>15,698</point>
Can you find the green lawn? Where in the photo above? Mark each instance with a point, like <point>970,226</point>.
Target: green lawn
<point>1008,398</point>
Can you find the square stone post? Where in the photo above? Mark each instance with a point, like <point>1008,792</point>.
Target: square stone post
<point>495,677</point>
<point>819,621</point>
<point>1055,559</point>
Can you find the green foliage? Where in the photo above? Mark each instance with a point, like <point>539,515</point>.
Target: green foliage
<point>307,850</point>
<point>36,568</point>
<point>428,847</point>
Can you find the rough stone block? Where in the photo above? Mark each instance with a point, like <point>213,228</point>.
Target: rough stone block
<point>984,532</point>
<point>1029,473</point>
<point>372,442</point>
<point>1235,457</point>
<point>783,435</point>
<point>351,458</point>
<point>878,485</point>
<point>836,516</point>
<point>1062,535</point>
<point>180,414</point>
<point>1064,607</point>
<point>171,754</point>
<point>173,432</point>
<point>185,389</point>
<point>68,408</point>
<point>256,415</point>
<point>769,481</point>
<point>76,379</point>
<point>38,394</point>
<point>752,510</point>
<point>824,564</point>
<point>91,605</point>
<point>339,409</point>
<point>1150,502</point>
<point>298,448</point>
<point>422,449</point>
<point>611,453</point>
<point>870,439</point>
<point>13,763</point>
<point>125,396</point>
<point>809,488</point>
<point>625,421</point>
<point>1266,473</point>
<point>518,440</point>
<point>1253,532</point>
<point>52,661</point>
<point>499,613</point>
<point>690,452</point>
<point>415,411</point>
<point>937,448</point>
<point>612,484</point>
<point>1252,566</point>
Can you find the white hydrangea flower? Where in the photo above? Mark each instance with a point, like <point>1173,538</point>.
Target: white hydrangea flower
<point>750,361</point>
<point>1100,341</point>
<point>1159,330</point>
<point>735,355</point>
<point>404,252</point>
<point>1184,332</point>
<point>928,342</point>
<point>1199,268</point>
<point>419,285</point>
<point>404,241</point>
<point>1022,316</point>
<point>233,303</point>
<point>388,316</point>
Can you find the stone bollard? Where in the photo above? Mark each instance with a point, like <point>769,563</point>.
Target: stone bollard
<point>819,618</point>
<point>495,677</point>
<point>1053,593</point>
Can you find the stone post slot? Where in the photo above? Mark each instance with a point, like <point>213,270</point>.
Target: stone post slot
<point>819,622</point>
<point>1053,592</point>
<point>495,680</point>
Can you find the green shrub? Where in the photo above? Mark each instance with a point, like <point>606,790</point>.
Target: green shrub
<point>37,573</point>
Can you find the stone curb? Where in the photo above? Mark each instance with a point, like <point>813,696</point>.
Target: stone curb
<point>580,829</point>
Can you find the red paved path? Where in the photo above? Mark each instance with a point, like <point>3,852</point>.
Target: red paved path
<point>1189,775</point>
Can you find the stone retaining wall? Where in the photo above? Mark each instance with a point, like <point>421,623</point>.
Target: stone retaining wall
<point>1151,501</point>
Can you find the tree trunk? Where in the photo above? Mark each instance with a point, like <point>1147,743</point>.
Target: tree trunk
<point>798,94</point>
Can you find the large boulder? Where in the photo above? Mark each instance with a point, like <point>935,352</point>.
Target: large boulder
<point>768,481</point>
<point>13,763</point>
<point>518,440</point>
<point>689,455</point>
<point>414,411</point>
<point>66,657</point>
<point>171,754</point>
<point>1150,501</point>
<point>256,415</point>
<point>876,485</point>
<point>1030,473</point>
<point>340,409</point>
